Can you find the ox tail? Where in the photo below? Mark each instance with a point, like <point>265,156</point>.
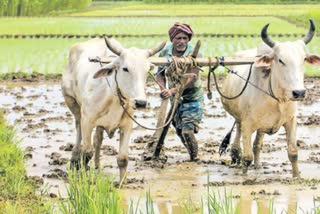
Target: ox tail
<point>226,141</point>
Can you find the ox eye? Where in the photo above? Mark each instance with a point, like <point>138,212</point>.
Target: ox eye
<point>125,69</point>
<point>281,62</point>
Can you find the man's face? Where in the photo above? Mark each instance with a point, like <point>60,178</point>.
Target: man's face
<point>180,42</point>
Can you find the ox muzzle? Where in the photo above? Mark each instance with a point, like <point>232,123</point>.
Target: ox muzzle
<point>298,94</point>
<point>141,103</point>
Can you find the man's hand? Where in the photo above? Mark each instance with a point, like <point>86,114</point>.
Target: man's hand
<point>166,93</point>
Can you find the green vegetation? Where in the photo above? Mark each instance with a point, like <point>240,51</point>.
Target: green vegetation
<point>229,1</point>
<point>133,9</point>
<point>142,26</point>
<point>49,56</point>
<point>38,7</point>
<point>90,192</point>
<point>17,193</point>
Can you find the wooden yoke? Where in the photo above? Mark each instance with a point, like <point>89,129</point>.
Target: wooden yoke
<point>180,89</point>
<point>209,61</point>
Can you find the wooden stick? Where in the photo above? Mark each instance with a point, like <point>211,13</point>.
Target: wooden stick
<point>176,99</point>
<point>160,61</point>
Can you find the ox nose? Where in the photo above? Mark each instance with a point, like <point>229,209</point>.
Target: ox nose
<point>299,94</point>
<point>141,103</point>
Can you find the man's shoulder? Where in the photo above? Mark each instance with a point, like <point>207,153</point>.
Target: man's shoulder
<point>166,50</point>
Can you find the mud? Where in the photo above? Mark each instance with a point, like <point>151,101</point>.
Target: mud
<point>46,129</point>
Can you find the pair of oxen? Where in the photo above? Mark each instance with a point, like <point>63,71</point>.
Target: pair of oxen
<point>97,102</point>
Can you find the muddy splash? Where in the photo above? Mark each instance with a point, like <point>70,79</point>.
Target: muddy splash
<point>46,128</point>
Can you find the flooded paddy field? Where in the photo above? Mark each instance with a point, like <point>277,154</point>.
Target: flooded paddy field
<point>46,128</point>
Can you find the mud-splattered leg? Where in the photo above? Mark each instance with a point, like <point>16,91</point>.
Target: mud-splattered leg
<point>122,158</point>
<point>191,144</point>
<point>97,141</point>
<point>87,149</point>
<point>247,157</point>
<point>76,111</point>
<point>257,145</point>
<point>290,128</point>
<point>236,148</point>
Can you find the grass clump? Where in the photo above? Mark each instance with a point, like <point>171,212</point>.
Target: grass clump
<point>90,192</point>
<point>17,192</point>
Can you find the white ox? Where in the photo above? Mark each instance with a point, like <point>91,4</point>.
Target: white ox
<point>279,71</point>
<point>94,101</point>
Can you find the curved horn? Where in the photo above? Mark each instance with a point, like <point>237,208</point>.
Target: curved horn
<point>153,51</point>
<point>310,34</point>
<point>117,49</point>
<point>265,37</point>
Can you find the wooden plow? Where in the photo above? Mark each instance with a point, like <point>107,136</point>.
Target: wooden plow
<point>157,140</point>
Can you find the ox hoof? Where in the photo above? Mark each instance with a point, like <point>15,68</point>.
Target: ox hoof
<point>75,164</point>
<point>296,175</point>
<point>245,170</point>
<point>246,163</point>
<point>235,157</point>
<point>235,161</point>
<point>257,166</point>
<point>116,184</point>
<point>86,158</point>
<point>245,166</point>
<point>119,184</point>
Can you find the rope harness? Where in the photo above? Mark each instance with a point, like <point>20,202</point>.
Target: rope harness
<point>176,71</point>
<point>220,62</point>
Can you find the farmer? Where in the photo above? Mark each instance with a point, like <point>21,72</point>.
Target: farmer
<point>189,112</point>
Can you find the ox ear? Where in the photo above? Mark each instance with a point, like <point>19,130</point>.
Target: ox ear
<point>104,71</point>
<point>264,61</point>
<point>312,59</point>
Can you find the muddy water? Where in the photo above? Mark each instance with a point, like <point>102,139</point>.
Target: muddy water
<point>46,129</point>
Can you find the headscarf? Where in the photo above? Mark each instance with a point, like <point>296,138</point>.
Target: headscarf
<point>178,28</point>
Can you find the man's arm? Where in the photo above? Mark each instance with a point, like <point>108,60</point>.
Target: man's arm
<point>165,93</point>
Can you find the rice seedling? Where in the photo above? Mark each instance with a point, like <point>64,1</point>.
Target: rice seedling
<point>90,192</point>
<point>17,193</point>
<point>49,56</point>
<point>144,26</point>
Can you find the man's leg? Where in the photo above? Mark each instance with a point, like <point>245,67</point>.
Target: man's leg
<point>191,143</point>
<point>190,118</point>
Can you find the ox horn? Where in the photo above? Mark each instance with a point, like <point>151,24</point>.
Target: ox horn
<point>310,34</point>
<point>265,37</point>
<point>153,51</point>
<point>117,49</point>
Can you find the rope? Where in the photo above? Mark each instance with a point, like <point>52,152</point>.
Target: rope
<point>220,61</point>
<point>176,71</point>
<point>122,104</point>
<point>216,82</point>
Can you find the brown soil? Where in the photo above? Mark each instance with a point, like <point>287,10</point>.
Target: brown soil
<point>46,128</point>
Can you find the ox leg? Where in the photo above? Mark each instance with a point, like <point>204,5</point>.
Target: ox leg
<point>291,128</point>
<point>76,151</point>
<point>247,150</point>
<point>87,149</point>
<point>236,148</point>
<point>97,141</point>
<point>122,158</point>
<point>257,145</point>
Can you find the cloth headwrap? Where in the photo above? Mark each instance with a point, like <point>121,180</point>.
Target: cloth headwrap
<point>178,28</point>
